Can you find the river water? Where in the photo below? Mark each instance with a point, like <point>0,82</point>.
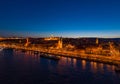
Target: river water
<point>18,67</point>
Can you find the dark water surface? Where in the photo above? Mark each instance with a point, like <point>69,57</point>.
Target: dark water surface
<point>17,67</point>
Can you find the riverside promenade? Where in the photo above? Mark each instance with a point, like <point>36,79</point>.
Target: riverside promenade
<point>114,60</point>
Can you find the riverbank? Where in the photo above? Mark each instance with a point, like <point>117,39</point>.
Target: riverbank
<point>60,52</point>
<point>90,57</point>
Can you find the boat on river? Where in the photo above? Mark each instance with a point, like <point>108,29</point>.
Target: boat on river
<point>117,68</point>
<point>49,56</point>
<point>1,48</point>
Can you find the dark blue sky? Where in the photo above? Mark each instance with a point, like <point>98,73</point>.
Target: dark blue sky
<point>71,18</point>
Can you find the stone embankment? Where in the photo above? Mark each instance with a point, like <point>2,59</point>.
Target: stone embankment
<point>115,60</point>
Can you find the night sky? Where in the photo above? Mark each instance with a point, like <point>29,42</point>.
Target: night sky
<point>69,18</point>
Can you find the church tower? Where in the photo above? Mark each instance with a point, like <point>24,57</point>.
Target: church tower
<point>27,42</point>
<point>59,46</point>
<point>97,41</point>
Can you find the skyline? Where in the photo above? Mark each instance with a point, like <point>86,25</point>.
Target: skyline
<point>69,18</point>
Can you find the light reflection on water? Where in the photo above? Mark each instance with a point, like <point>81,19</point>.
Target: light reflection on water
<point>27,67</point>
<point>83,64</point>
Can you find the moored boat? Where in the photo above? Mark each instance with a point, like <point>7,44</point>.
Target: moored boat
<point>50,56</point>
<point>1,48</point>
<point>36,52</point>
<point>117,68</point>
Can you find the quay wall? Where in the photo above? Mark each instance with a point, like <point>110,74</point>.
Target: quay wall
<point>61,52</point>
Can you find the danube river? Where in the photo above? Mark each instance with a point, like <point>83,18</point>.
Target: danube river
<point>17,67</point>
